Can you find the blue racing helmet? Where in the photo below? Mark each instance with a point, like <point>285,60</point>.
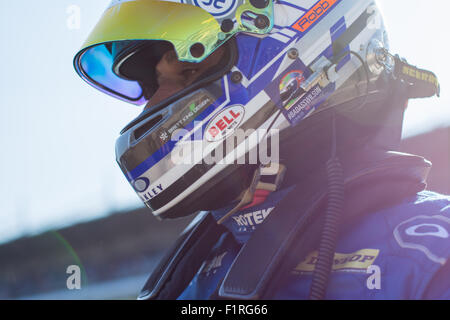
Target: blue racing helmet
<point>284,62</point>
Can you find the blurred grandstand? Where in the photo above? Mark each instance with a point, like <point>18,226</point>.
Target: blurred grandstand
<point>117,253</point>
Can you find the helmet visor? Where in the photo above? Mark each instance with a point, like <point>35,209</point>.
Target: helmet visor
<point>193,32</point>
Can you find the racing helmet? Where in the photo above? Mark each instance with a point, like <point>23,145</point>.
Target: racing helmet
<point>285,61</point>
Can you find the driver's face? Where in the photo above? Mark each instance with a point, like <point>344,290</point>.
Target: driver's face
<point>174,75</point>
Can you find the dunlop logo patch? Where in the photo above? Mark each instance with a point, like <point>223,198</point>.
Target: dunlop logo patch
<point>353,262</point>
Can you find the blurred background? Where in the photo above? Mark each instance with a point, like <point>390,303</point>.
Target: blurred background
<point>64,201</point>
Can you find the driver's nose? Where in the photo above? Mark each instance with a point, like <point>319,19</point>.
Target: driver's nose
<point>165,90</point>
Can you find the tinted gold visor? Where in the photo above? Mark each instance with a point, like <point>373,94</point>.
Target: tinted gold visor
<point>193,32</point>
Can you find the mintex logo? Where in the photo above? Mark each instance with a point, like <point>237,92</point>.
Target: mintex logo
<point>313,15</point>
<point>252,218</point>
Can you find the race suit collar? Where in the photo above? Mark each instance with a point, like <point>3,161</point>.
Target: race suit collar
<point>245,221</point>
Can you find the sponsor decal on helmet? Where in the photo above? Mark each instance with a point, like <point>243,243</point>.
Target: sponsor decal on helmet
<point>290,87</point>
<point>300,110</point>
<point>194,107</point>
<point>142,187</point>
<point>141,184</point>
<point>314,14</point>
<point>287,93</point>
<point>152,192</point>
<point>224,123</point>
<point>217,8</point>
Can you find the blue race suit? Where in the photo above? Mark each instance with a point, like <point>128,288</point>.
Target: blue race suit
<point>397,253</point>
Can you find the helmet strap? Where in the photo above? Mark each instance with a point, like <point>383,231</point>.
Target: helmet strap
<point>268,178</point>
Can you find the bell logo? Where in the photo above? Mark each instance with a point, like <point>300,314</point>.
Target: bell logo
<point>224,124</point>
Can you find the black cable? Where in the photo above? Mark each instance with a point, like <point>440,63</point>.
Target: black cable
<point>330,231</point>
<point>366,70</point>
<point>336,201</point>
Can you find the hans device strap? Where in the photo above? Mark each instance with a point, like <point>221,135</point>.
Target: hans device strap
<point>182,262</point>
<point>293,228</point>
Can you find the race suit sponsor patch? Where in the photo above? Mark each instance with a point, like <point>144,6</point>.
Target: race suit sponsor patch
<point>352,262</point>
<point>213,264</point>
<point>430,235</point>
<point>252,218</point>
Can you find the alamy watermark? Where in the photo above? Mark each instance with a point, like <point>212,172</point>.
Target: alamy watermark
<point>73,21</point>
<point>374,280</point>
<point>74,280</point>
<point>251,146</point>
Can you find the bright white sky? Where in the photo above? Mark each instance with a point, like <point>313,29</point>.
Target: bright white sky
<point>57,134</point>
